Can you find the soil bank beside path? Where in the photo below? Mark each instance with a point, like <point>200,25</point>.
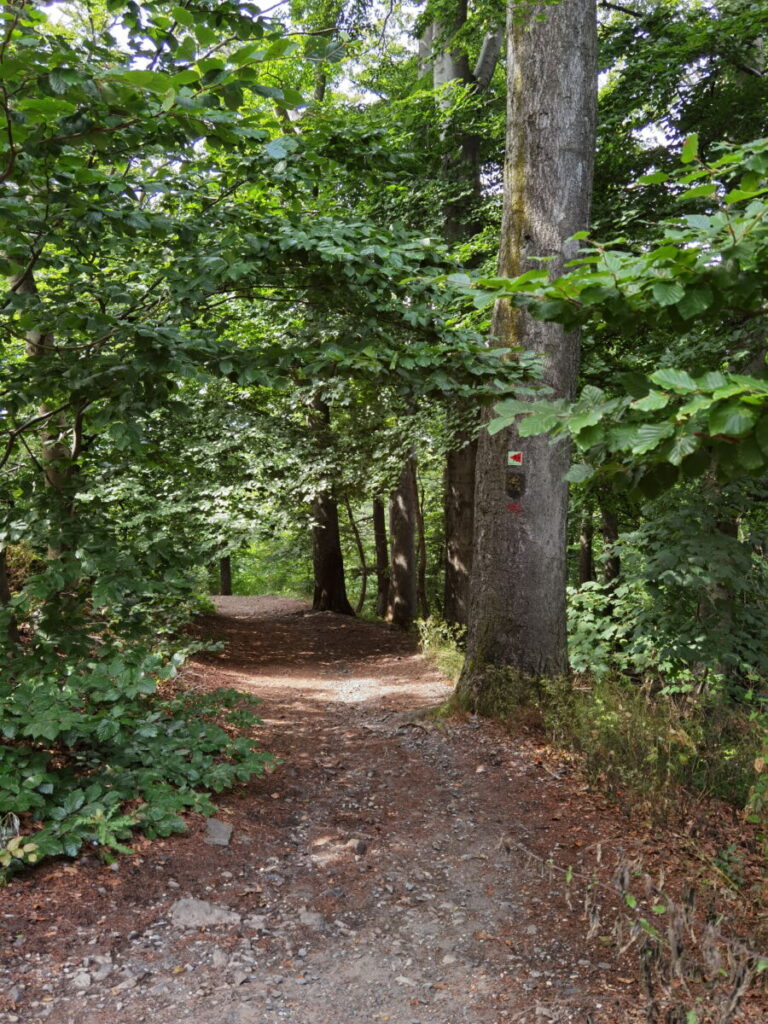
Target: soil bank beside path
<point>376,875</point>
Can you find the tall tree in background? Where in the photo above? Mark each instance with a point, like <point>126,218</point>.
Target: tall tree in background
<point>461,219</point>
<point>517,610</point>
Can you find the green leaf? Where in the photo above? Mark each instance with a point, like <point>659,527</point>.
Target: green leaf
<point>655,178</point>
<point>183,16</point>
<point>579,473</point>
<point>682,447</point>
<point>731,418</point>
<point>537,423</point>
<point>690,149</point>
<point>652,401</point>
<point>152,80</point>
<point>276,149</point>
<point>711,381</point>
<point>697,191</point>
<point>667,293</point>
<point>650,435</point>
<point>695,301</point>
<point>673,380</point>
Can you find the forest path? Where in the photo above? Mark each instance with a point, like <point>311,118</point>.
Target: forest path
<point>368,878</point>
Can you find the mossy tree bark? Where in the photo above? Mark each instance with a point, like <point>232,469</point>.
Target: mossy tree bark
<point>517,605</point>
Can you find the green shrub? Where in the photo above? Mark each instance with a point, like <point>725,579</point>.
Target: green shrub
<point>95,750</point>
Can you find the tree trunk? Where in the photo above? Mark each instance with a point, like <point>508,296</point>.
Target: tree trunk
<point>517,609</point>
<point>59,444</point>
<point>459,523</point>
<point>11,632</point>
<point>225,576</point>
<point>610,531</point>
<point>586,559</point>
<point>421,583</point>
<point>461,220</point>
<point>361,555</point>
<point>382,557</point>
<point>401,606</point>
<point>330,590</point>
<point>330,593</point>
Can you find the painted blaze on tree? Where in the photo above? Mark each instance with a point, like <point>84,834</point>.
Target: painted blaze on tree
<point>517,609</point>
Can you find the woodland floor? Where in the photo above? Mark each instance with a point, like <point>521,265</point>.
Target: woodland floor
<point>391,869</point>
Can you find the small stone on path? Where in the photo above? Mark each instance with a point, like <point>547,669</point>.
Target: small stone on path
<point>218,833</point>
<point>193,913</point>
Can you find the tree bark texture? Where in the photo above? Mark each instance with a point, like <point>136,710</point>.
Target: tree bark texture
<point>421,583</point>
<point>586,559</point>
<point>330,593</point>
<point>382,557</point>
<point>461,220</point>
<point>517,609</point>
<point>459,525</point>
<point>361,556</point>
<point>225,576</point>
<point>401,606</point>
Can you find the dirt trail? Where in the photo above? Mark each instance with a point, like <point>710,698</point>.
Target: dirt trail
<point>368,879</point>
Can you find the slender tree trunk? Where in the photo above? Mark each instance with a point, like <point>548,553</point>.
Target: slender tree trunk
<point>610,531</point>
<point>401,606</point>
<point>382,557</point>
<point>586,559</point>
<point>12,632</point>
<point>361,555</point>
<point>330,593</point>
<point>421,583</point>
<point>330,589</point>
<point>225,576</point>
<point>459,525</point>
<point>59,443</point>
<point>517,610</point>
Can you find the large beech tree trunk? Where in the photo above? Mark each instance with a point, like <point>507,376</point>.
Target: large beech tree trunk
<point>517,606</point>
<point>330,593</point>
<point>461,220</point>
<point>401,606</point>
<point>382,557</point>
<point>459,525</point>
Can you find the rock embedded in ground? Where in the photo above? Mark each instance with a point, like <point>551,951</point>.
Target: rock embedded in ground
<point>217,833</point>
<point>190,912</point>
